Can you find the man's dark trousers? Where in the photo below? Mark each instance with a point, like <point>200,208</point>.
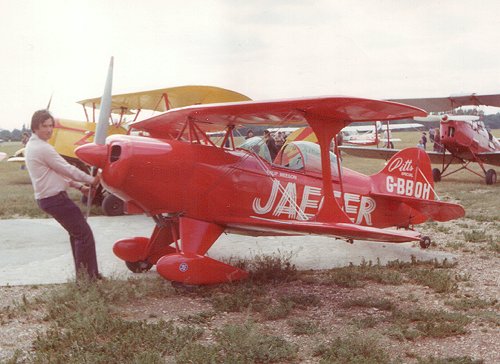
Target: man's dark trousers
<point>69,215</point>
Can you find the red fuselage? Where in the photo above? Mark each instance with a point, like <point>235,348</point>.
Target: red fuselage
<point>465,139</point>
<point>220,185</point>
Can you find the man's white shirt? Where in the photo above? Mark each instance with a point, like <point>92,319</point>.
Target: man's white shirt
<point>49,172</point>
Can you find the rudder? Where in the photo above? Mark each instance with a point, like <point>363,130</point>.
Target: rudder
<point>408,173</point>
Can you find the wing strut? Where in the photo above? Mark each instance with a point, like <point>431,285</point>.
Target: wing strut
<point>339,171</point>
<point>325,130</point>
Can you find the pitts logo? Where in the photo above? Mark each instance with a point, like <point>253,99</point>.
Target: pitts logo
<point>405,168</point>
<point>358,207</point>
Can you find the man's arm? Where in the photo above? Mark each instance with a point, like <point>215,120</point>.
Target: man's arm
<point>62,167</point>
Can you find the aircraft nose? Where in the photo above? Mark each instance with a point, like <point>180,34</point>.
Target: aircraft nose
<point>92,154</point>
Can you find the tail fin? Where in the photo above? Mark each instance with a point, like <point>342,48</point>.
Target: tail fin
<point>407,179</point>
<point>408,173</point>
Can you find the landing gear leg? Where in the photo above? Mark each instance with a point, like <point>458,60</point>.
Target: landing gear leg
<point>491,177</point>
<point>141,253</point>
<point>436,174</point>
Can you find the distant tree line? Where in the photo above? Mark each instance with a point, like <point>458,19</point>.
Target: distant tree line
<point>15,135</point>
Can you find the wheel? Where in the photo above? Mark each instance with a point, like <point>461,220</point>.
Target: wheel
<point>491,177</point>
<point>425,242</point>
<point>138,267</point>
<point>112,205</point>
<point>96,200</point>
<point>436,175</point>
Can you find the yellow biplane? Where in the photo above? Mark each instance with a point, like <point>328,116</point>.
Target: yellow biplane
<point>70,134</point>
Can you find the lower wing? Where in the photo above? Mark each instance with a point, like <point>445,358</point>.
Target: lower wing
<point>338,230</point>
<point>492,158</point>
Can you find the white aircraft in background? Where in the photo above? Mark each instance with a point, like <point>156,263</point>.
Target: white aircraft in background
<point>360,135</point>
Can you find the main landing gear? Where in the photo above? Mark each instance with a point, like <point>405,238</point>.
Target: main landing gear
<point>184,263</point>
<point>489,175</point>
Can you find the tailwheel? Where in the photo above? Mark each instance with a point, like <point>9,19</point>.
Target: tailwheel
<point>436,174</point>
<point>491,177</point>
<point>425,242</point>
<point>139,267</point>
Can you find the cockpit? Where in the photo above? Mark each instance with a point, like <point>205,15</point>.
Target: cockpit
<point>257,145</point>
<point>298,156</point>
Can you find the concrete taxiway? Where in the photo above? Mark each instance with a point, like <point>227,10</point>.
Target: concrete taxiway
<point>37,251</point>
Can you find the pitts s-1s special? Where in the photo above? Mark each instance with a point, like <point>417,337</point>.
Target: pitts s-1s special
<point>196,189</point>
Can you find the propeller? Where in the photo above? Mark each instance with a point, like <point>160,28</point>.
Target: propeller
<point>105,112</point>
<point>103,122</point>
<point>50,100</point>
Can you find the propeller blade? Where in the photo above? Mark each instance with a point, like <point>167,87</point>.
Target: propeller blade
<point>102,123</point>
<point>50,100</point>
<point>105,112</point>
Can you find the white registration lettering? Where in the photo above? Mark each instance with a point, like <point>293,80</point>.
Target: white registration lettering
<point>366,207</point>
<point>258,209</point>
<point>286,202</point>
<point>309,202</point>
<point>389,184</point>
<point>408,187</point>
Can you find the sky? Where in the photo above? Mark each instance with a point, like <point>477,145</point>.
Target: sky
<point>264,49</point>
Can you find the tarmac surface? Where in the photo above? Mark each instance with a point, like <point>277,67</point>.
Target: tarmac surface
<point>37,251</point>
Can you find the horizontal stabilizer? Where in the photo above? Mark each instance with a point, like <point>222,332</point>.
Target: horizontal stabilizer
<point>435,210</point>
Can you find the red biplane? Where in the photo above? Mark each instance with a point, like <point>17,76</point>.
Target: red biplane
<point>464,138</point>
<point>195,189</point>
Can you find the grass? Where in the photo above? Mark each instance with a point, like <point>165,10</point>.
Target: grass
<point>84,328</point>
<point>465,304</point>
<point>240,344</point>
<point>352,349</point>
<point>475,236</point>
<point>431,273</point>
<point>286,304</point>
<point>241,296</point>
<point>494,247</point>
<point>450,360</point>
<point>303,327</point>
<point>415,324</point>
<point>199,318</point>
<point>370,302</point>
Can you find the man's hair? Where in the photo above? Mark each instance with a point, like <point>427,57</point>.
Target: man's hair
<point>39,117</point>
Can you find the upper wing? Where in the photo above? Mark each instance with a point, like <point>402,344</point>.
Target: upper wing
<point>168,98</point>
<point>492,158</point>
<point>332,113</point>
<point>386,154</point>
<point>433,104</point>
